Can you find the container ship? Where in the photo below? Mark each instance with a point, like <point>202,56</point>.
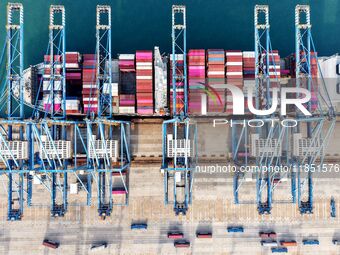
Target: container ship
<point>142,84</point>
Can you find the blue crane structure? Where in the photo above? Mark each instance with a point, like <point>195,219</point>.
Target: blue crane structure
<point>179,133</point>
<point>48,146</point>
<point>264,59</point>
<point>13,147</point>
<point>261,146</point>
<point>55,134</point>
<point>107,138</point>
<point>272,145</point>
<point>53,139</point>
<point>316,128</point>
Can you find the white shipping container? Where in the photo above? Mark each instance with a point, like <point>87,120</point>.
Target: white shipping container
<point>74,188</point>
<point>204,104</point>
<point>144,68</point>
<point>215,73</point>
<point>234,64</point>
<point>178,177</point>
<point>72,104</point>
<point>248,54</point>
<point>72,65</point>
<point>126,56</point>
<point>273,67</point>
<point>139,77</point>
<point>177,57</point>
<point>233,53</point>
<point>233,73</point>
<point>89,85</point>
<point>127,109</point>
<point>177,90</point>
<point>72,101</point>
<point>72,53</point>
<point>269,243</point>
<point>143,64</point>
<point>88,99</point>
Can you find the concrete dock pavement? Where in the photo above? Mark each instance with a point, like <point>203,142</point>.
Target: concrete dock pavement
<point>212,207</point>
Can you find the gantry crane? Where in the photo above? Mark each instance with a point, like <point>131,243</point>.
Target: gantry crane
<point>274,145</point>
<point>53,139</point>
<point>312,134</point>
<point>179,134</point>
<point>267,144</point>
<point>53,145</point>
<point>14,148</point>
<point>261,146</point>
<point>107,139</point>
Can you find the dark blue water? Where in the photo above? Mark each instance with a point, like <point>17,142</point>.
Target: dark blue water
<point>142,24</point>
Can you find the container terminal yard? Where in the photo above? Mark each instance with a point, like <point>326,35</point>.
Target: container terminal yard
<point>199,151</point>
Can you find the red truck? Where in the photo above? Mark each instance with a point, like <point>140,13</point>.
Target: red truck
<point>50,244</point>
<point>271,235</point>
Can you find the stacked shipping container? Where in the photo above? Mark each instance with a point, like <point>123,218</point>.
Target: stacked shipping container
<point>132,82</point>
<point>234,74</point>
<point>144,82</point>
<point>90,95</point>
<point>196,79</point>
<point>248,75</point>
<point>115,86</point>
<point>179,83</point>
<point>216,78</point>
<point>72,59</point>
<point>248,64</point>
<point>48,97</point>
<point>73,82</point>
<point>303,58</point>
<point>127,80</point>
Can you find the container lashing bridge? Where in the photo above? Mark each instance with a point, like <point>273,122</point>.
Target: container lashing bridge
<point>179,134</point>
